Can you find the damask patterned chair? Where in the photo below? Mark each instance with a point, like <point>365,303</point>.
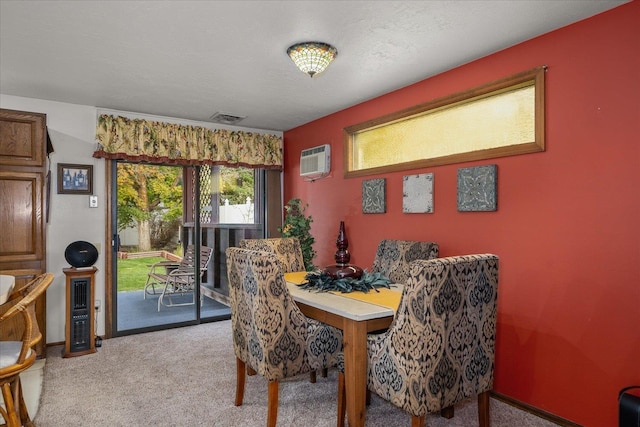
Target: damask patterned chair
<point>394,256</point>
<point>289,253</point>
<point>440,348</point>
<point>287,249</point>
<point>270,333</point>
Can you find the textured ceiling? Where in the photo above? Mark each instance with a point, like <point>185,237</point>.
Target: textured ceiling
<point>191,59</point>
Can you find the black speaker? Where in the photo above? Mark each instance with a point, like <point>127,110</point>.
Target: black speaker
<point>629,408</point>
<point>81,254</point>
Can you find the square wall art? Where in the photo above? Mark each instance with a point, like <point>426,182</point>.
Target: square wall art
<point>374,199</point>
<point>417,193</point>
<point>477,188</point>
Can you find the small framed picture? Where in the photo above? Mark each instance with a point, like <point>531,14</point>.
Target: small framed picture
<point>75,179</point>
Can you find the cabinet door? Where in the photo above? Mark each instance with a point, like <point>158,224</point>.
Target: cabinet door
<point>22,138</point>
<point>22,217</point>
<point>22,172</point>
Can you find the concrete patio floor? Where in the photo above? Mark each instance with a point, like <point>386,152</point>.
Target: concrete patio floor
<point>136,312</point>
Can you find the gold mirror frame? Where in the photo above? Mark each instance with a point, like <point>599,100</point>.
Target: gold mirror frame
<point>534,77</point>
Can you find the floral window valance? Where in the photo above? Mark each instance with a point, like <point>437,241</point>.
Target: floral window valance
<point>140,140</point>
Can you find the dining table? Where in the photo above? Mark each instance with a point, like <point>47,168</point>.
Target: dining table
<point>356,314</point>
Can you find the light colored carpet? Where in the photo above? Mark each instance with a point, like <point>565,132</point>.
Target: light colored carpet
<point>186,377</point>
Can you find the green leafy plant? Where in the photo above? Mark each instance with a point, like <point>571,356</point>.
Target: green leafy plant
<point>297,224</point>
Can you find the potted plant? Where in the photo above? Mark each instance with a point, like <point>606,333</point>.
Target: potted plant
<point>296,224</point>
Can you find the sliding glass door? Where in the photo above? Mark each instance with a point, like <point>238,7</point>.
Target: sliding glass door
<point>149,246</point>
<point>165,214</point>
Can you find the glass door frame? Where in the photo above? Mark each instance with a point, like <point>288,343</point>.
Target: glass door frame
<point>114,259</point>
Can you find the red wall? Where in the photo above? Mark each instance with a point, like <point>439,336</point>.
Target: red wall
<point>567,228</point>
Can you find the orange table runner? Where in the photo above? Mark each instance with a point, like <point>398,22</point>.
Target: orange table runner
<point>389,298</point>
<point>296,277</point>
<point>385,297</point>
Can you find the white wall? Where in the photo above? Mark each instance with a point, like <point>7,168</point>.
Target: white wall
<point>72,131</point>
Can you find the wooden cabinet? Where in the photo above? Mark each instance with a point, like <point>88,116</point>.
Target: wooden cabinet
<point>23,171</point>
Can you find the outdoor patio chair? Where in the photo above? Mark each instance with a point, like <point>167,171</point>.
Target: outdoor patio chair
<point>176,278</point>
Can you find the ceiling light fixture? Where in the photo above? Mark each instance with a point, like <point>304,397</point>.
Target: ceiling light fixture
<point>312,57</point>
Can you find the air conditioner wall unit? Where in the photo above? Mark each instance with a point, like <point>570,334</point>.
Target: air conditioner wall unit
<point>315,161</point>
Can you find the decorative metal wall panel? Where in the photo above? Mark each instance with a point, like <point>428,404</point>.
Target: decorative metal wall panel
<point>374,199</point>
<point>417,193</point>
<point>477,189</point>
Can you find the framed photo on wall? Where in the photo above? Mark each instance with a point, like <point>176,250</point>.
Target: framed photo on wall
<point>75,179</point>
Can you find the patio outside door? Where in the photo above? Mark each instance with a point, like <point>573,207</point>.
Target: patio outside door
<point>149,209</point>
<point>161,211</point>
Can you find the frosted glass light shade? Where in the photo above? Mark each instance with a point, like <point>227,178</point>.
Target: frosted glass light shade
<point>312,57</point>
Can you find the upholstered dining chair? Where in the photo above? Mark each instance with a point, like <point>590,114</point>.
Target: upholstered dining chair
<point>289,253</point>
<point>394,256</point>
<point>18,356</point>
<point>270,333</point>
<point>287,249</point>
<point>440,347</point>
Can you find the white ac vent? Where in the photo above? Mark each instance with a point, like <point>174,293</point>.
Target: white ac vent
<point>315,161</point>
<point>226,119</point>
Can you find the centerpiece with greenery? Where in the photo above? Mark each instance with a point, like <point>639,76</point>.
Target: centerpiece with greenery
<point>323,282</point>
<point>298,225</point>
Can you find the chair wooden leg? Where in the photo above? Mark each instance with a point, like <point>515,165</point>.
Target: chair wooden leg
<point>313,375</point>
<point>447,412</point>
<point>483,409</point>
<point>342,400</point>
<point>417,421</point>
<point>240,379</point>
<point>12,417</point>
<point>250,371</point>
<point>272,404</point>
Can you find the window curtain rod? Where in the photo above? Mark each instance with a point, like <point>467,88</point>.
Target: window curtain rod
<point>138,140</point>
